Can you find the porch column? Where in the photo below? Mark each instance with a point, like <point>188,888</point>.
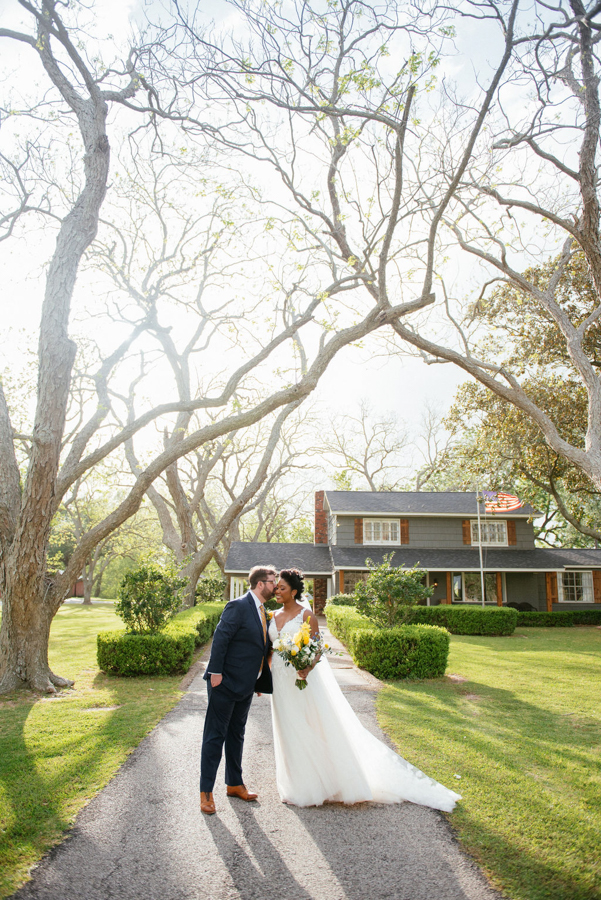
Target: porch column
<point>341,582</point>
<point>499,589</point>
<point>552,595</point>
<point>449,597</point>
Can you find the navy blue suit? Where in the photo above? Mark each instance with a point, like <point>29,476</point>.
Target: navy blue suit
<point>237,653</point>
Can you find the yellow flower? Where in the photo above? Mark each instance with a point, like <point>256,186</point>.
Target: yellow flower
<point>293,652</point>
<point>306,639</point>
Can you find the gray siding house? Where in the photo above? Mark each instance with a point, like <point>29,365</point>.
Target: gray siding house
<point>439,532</point>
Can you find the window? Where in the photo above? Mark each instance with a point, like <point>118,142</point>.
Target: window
<point>381,531</point>
<point>493,533</point>
<point>467,587</point>
<point>352,579</point>
<point>575,587</point>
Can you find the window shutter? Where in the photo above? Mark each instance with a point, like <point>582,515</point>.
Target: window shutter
<point>551,579</point>
<point>597,585</point>
<point>467,533</point>
<point>358,531</point>
<point>404,531</point>
<point>511,535</point>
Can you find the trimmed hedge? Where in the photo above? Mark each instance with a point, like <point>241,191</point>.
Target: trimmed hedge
<point>343,600</point>
<point>406,651</point>
<point>564,618</point>
<point>169,652</point>
<point>466,619</point>
<point>587,616</point>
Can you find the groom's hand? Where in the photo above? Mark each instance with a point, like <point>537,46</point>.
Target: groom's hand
<point>216,680</point>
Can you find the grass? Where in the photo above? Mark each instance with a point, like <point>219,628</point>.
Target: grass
<point>57,752</point>
<point>523,730</point>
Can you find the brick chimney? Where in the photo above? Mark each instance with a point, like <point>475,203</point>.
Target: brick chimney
<point>321,519</point>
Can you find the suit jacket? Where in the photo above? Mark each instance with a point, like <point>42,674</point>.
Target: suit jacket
<point>238,648</point>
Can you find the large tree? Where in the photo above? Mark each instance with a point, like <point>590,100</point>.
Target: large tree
<point>497,170</point>
<point>261,371</point>
<point>531,192</point>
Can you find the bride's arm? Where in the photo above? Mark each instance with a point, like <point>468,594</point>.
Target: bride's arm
<point>302,673</point>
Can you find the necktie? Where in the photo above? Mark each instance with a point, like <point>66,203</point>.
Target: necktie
<point>264,624</point>
<point>263,621</point>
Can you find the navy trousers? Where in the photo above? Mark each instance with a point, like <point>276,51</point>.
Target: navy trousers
<point>225,724</point>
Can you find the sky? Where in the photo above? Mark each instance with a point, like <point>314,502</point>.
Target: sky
<point>401,385</point>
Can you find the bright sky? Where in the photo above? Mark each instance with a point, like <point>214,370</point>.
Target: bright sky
<point>399,385</point>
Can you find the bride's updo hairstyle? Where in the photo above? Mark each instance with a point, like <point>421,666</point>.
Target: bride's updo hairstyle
<point>294,580</point>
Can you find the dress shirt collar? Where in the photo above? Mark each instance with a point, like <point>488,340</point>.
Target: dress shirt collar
<point>259,603</point>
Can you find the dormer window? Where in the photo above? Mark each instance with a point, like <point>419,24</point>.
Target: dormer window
<point>494,534</point>
<point>381,531</point>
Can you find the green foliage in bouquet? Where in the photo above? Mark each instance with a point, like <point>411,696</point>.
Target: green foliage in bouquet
<point>210,589</point>
<point>388,591</point>
<point>148,597</point>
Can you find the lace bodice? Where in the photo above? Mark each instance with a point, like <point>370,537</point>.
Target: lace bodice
<point>290,627</point>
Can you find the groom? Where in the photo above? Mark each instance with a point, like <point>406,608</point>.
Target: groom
<point>237,668</point>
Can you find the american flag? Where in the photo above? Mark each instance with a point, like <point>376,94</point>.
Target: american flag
<point>497,501</point>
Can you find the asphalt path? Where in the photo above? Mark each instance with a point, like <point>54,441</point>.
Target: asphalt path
<point>144,838</point>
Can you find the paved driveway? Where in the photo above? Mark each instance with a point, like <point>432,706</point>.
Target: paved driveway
<point>143,837</point>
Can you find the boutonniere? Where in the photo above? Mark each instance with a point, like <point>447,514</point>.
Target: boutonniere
<point>270,614</point>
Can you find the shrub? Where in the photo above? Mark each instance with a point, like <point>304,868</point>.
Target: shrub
<point>389,590</point>
<point>466,619</point>
<point>148,597</point>
<point>343,600</point>
<point>545,619</point>
<point>406,651</point>
<point>168,652</point>
<point>165,653</point>
<point>587,616</point>
<point>210,589</point>
<point>201,619</point>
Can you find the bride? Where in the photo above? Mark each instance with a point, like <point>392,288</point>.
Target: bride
<point>322,752</point>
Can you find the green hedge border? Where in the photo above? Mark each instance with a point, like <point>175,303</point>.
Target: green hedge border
<point>456,619</point>
<point>169,652</point>
<point>406,651</point>
<point>559,619</point>
<point>466,619</point>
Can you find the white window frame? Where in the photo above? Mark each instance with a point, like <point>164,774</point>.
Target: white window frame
<point>394,543</point>
<point>588,594</point>
<point>483,524</point>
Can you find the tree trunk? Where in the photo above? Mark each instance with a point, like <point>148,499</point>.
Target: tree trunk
<point>88,581</point>
<point>24,634</point>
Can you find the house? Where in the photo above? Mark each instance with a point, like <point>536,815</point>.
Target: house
<point>438,531</point>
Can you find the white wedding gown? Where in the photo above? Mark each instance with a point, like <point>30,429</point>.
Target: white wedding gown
<point>322,752</point>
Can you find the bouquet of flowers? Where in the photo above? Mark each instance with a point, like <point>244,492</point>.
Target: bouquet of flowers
<point>300,651</point>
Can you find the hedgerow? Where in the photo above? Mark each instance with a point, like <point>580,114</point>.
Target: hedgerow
<point>404,651</point>
<point>168,652</point>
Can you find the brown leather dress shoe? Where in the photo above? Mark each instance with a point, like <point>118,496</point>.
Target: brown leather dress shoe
<point>207,804</point>
<point>239,790</point>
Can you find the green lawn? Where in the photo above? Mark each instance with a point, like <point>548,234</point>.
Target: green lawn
<point>56,753</point>
<point>522,727</point>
